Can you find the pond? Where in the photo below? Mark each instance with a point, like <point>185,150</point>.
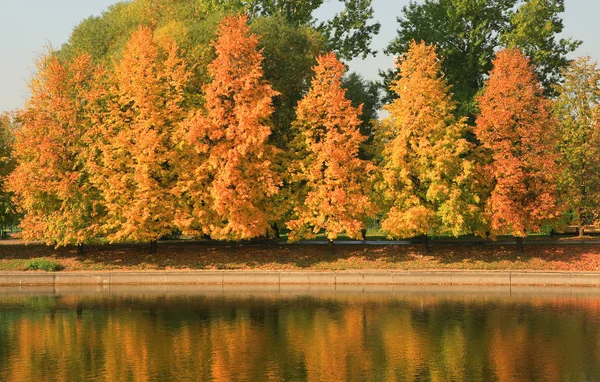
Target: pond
<point>249,334</point>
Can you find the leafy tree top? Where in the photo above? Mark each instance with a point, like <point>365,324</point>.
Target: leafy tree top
<point>518,129</point>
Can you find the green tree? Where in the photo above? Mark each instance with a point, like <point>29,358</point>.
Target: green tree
<point>468,32</point>
<point>534,29</point>
<point>366,93</point>
<point>578,110</point>
<point>289,55</point>
<point>349,33</point>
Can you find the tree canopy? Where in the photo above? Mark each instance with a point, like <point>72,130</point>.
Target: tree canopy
<point>517,127</point>
<point>578,110</point>
<point>425,172</point>
<point>227,175</point>
<point>467,33</point>
<point>330,177</point>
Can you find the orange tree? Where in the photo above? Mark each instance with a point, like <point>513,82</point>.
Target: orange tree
<point>52,181</point>
<point>426,178</point>
<point>517,129</point>
<point>227,178</point>
<point>134,167</point>
<point>329,179</point>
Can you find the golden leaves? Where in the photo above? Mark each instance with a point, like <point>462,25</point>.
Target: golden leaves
<point>331,177</point>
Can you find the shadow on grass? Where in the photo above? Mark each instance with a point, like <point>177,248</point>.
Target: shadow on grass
<point>207,256</point>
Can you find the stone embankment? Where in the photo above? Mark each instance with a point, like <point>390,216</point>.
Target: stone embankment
<point>375,277</point>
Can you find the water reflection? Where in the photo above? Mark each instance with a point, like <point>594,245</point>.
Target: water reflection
<point>315,337</point>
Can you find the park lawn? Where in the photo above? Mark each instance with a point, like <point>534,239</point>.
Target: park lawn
<point>211,256</point>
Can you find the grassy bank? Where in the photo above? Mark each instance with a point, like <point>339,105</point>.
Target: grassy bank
<point>198,256</point>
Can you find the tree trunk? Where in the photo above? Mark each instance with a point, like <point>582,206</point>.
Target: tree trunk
<point>580,231</point>
<point>425,243</point>
<point>276,231</point>
<point>552,233</point>
<point>363,232</point>
<point>520,247</point>
<point>331,247</point>
<point>80,248</point>
<point>153,247</point>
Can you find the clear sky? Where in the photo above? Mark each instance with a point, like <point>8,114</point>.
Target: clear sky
<point>26,26</point>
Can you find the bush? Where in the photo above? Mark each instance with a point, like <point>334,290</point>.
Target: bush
<point>43,265</point>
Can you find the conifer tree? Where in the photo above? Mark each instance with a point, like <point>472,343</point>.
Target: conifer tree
<point>330,180</point>
<point>52,181</point>
<point>426,175</point>
<point>518,129</point>
<point>228,180</point>
<point>135,167</point>
<point>578,111</point>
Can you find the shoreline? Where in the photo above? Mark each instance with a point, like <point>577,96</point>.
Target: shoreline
<point>355,277</point>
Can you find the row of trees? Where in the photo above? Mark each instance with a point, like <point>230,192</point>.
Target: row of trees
<point>131,151</point>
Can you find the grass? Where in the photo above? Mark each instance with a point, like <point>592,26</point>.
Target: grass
<point>212,256</point>
<point>43,264</point>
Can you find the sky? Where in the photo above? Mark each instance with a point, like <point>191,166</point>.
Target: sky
<point>27,26</point>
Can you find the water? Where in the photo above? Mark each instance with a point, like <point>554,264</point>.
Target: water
<point>428,334</point>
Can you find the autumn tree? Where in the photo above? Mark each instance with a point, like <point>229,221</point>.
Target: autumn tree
<point>517,128</point>
<point>426,175</point>
<point>52,180</point>
<point>329,179</point>
<point>227,178</point>
<point>8,214</point>
<point>578,112</point>
<point>135,168</point>
<point>467,33</point>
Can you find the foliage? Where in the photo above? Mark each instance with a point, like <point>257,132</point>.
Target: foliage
<point>517,128</point>
<point>8,213</point>
<point>366,93</point>
<point>329,177</point>
<point>425,173</point>
<point>227,173</point>
<point>52,181</point>
<point>43,265</point>
<point>289,55</point>
<point>534,28</point>
<point>467,33</point>
<point>134,167</point>
<point>348,33</point>
<point>578,111</point>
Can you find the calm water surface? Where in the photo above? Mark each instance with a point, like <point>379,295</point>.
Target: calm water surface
<point>197,335</point>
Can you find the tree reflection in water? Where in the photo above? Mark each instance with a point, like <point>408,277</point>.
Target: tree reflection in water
<point>314,337</point>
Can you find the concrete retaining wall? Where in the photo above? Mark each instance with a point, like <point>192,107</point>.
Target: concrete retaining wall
<point>488,278</point>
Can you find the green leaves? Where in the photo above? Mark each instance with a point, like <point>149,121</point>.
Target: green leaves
<point>467,33</point>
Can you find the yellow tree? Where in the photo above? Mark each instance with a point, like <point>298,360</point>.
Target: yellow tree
<point>519,132</point>
<point>227,178</point>
<point>330,181</point>
<point>8,214</point>
<point>425,174</point>
<point>52,181</point>
<point>578,110</point>
<point>135,167</point>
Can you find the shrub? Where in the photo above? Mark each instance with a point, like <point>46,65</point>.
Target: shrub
<point>43,265</point>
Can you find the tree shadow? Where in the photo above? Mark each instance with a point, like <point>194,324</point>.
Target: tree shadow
<point>274,256</point>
